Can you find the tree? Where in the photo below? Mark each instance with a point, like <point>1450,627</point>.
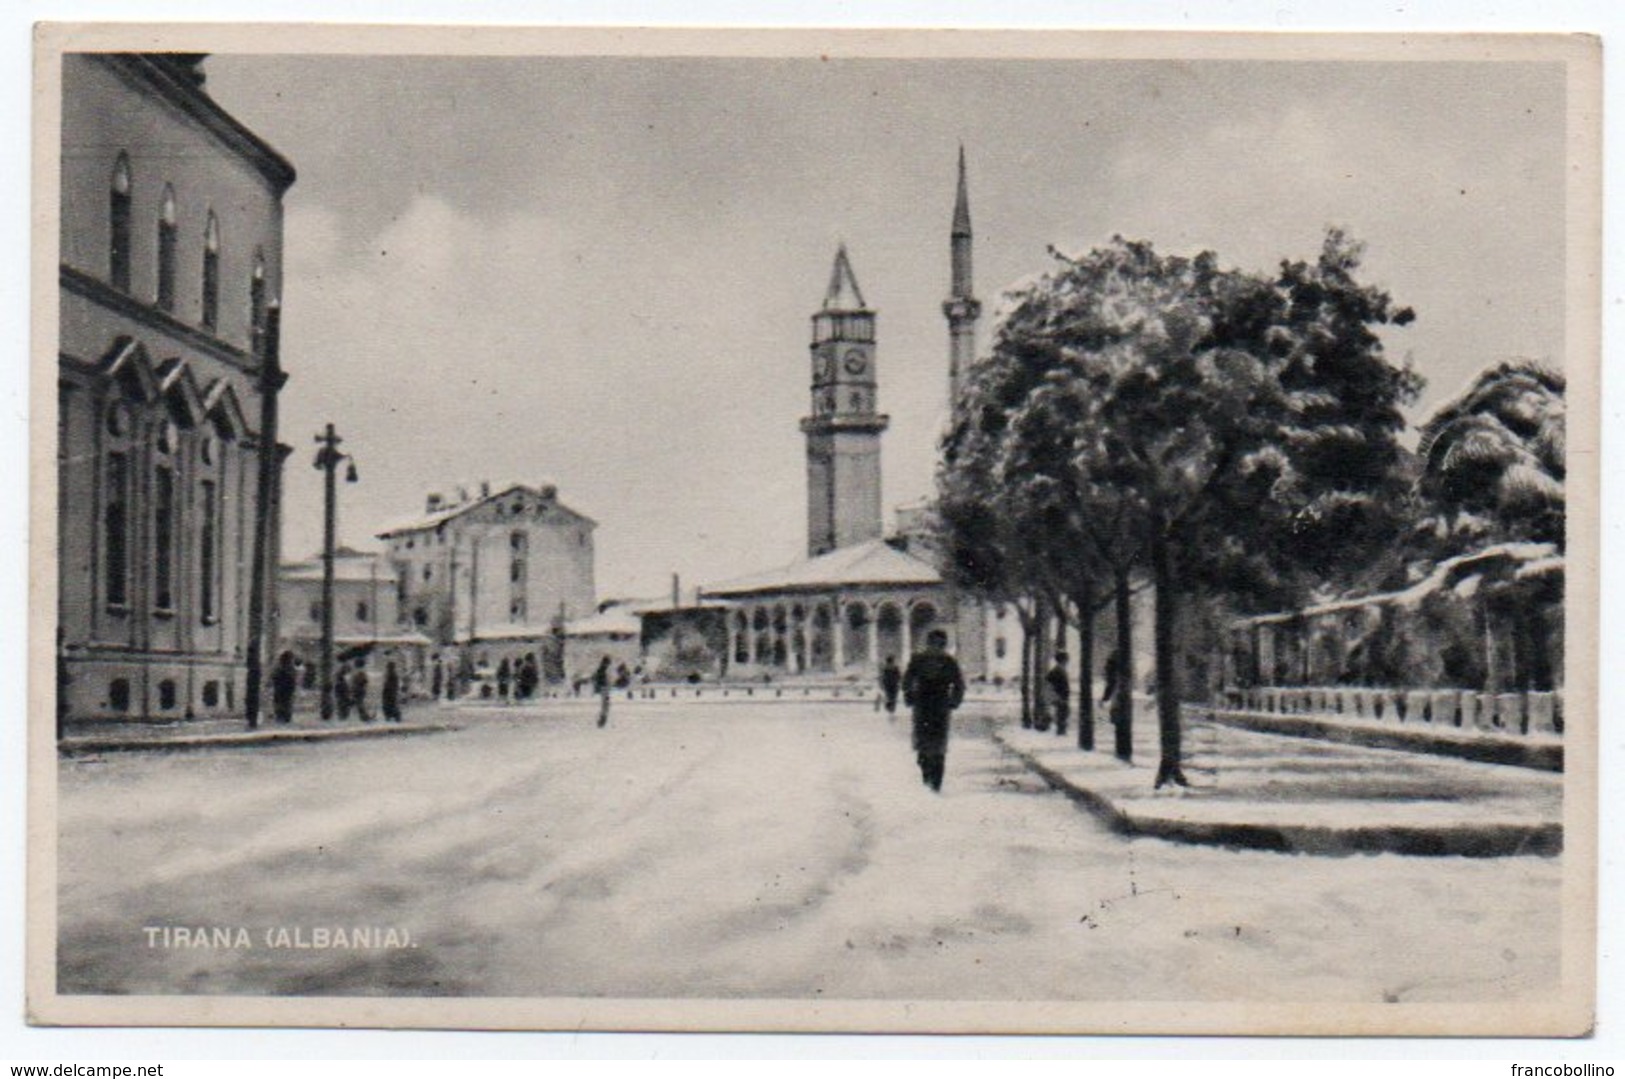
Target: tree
<point>1493,468</point>
<point>1192,421</point>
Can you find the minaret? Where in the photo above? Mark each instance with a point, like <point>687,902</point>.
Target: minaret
<point>843,430</point>
<point>961,307</point>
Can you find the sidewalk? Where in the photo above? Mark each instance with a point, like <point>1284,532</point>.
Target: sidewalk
<point>1274,792</point>
<point>95,738</point>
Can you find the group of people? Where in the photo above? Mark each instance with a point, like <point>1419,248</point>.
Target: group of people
<point>350,688</point>
<point>933,687</point>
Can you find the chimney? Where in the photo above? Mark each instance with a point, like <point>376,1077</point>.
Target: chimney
<point>485,488</point>
<point>433,503</point>
<point>676,591</point>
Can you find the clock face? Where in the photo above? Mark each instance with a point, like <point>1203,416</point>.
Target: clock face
<point>856,363</point>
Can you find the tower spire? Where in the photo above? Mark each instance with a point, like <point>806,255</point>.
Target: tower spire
<point>843,293</point>
<point>961,308</point>
<point>962,202</point>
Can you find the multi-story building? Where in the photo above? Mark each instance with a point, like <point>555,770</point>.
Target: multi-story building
<point>494,576</point>
<point>170,270</point>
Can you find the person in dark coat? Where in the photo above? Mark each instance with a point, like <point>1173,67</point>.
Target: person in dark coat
<point>933,687</point>
<point>358,691</point>
<point>891,680</point>
<point>341,693</point>
<point>1114,674</point>
<point>504,677</point>
<point>1060,692</point>
<point>392,694</point>
<point>284,683</point>
<point>601,685</point>
<point>64,680</point>
<point>437,680</point>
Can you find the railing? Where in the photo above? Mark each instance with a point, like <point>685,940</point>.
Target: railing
<point>1532,713</point>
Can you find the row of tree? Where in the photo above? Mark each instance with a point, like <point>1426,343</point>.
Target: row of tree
<point>1230,440</point>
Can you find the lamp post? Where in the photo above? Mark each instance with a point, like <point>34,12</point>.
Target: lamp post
<point>327,459</point>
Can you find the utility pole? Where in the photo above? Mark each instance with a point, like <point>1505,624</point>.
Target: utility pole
<point>267,344</point>
<point>327,459</point>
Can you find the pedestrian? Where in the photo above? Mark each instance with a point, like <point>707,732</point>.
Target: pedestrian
<point>341,692</point>
<point>437,679</point>
<point>64,681</point>
<point>392,694</point>
<point>623,677</point>
<point>284,682</point>
<point>933,687</point>
<point>601,686</point>
<point>891,680</point>
<point>504,678</point>
<point>1060,692</point>
<point>358,690</point>
<point>1114,664</point>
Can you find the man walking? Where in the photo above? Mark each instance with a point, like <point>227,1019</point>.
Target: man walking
<point>933,686</point>
<point>1060,692</point>
<point>392,694</point>
<point>358,691</point>
<point>284,684</point>
<point>601,686</point>
<point>891,680</point>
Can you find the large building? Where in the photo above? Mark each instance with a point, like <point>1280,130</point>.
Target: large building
<point>496,575</point>
<point>170,269</point>
<point>859,596</point>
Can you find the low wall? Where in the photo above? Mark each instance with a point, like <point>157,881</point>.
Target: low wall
<point>1538,714</point>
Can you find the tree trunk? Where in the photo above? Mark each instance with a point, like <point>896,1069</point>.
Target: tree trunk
<point>1026,666</point>
<point>1060,647</point>
<point>1168,672</point>
<point>1085,599</point>
<point>1123,683</point>
<point>1040,663</point>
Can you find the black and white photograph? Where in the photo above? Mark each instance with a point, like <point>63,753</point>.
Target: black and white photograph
<point>783,530</point>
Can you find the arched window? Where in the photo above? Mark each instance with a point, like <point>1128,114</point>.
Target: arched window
<point>256,299</point>
<point>211,272</point>
<point>116,494</point>
<point>166,251</point>
<point>206,467</point>
<point>118,243</point>
<point>163,517</point>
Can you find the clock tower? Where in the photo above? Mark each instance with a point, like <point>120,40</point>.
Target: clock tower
<point>843,429</point>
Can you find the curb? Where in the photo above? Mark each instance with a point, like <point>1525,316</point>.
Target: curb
<point>1488,841</point>
<point>80,747</point>
<point>1541,756</point>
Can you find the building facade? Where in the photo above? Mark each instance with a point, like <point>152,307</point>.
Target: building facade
<point>170,268</point>
<point>366,619</point>
<point>495,575</point>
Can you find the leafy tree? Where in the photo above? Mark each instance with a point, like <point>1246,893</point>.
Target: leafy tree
<point>1493,467</point>
<point>1216,429</point>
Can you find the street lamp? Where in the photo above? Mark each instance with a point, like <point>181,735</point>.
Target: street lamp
<point>327,460</point>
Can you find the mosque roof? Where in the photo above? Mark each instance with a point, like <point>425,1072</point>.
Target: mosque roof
<point>874,562</point>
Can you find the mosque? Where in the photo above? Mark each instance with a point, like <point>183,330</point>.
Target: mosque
<point>860,596</point>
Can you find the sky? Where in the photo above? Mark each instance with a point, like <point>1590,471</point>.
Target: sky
<point>598,272</point>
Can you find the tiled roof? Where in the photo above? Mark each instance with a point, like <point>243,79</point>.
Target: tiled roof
<point>439,517</point>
